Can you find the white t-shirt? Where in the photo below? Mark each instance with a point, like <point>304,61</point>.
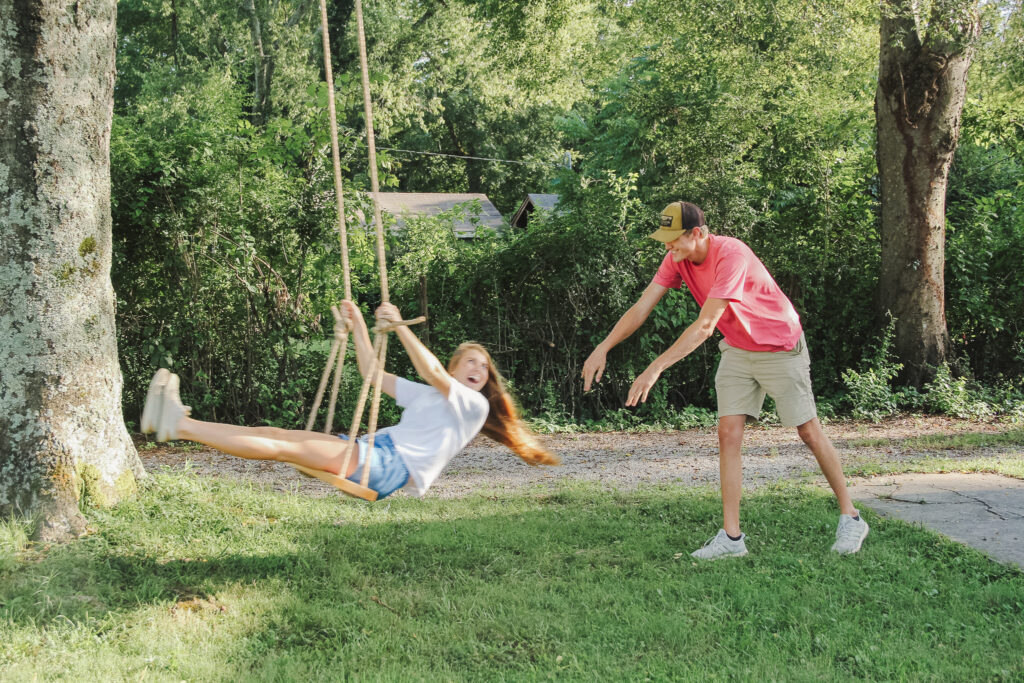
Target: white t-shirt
<point>433,429</point>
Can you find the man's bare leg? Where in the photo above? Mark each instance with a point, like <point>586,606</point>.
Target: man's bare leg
<point>730,469</point>
<point>828,460</point>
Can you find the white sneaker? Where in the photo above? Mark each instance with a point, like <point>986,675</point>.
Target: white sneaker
<point>171,411</point>
<point>154,401</point>
<point>721,546</point>
<point>850,534</point>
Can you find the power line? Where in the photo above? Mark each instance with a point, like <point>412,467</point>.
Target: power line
<point>473,158</point>
<point>566,160</point>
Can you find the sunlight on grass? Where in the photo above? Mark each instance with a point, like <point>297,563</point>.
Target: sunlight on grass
<point>963,442</point>
<point>203,580</point>
<point>1008,465</point>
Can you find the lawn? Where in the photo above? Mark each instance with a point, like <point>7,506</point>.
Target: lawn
<point>205,580</point>
<point>1005,455</point>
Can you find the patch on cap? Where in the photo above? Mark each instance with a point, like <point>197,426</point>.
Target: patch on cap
<point>676,218</point>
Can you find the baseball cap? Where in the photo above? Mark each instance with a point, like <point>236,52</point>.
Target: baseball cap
<point>677,218</point>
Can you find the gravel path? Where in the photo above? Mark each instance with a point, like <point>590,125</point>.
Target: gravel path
<point>616,460</point>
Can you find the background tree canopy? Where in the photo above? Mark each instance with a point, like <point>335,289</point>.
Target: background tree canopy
<point>761,111</point>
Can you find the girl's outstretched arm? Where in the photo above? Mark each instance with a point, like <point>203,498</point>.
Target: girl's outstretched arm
<point>425,362</point>
<point>364,348</point>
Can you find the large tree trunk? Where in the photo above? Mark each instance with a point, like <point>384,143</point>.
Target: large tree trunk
<point>921,86</point>
<point>61,430</point>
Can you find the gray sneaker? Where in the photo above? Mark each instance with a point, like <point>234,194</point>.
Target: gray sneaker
<point>721,546</point>
<point>850,534</point>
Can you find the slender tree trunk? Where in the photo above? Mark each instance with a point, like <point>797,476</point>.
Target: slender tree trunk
<point>62,434</point>
<point>423,309</point>
<point>474,178</point>
<point>263,65</point>
<point>921,89</point>
<point>174,31</point>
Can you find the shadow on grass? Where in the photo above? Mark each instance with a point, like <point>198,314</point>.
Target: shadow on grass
<point>569,581</point>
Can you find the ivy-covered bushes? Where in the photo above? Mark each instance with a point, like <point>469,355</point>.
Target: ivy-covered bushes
<point>224,249</point>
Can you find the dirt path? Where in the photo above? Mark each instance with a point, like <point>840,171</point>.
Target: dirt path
<point>618,460</point>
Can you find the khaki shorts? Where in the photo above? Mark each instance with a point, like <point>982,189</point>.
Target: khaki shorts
<point>745,377</point>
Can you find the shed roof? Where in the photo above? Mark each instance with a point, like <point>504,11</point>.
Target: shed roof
<point>547,202</point>
<point>404,205</point>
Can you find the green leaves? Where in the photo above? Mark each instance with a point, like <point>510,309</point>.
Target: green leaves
<point>762,112</point>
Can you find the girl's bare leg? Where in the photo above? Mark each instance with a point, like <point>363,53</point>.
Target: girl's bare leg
<point>310,449</point>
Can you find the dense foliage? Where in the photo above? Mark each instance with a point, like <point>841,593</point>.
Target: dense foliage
<point>226,257</point>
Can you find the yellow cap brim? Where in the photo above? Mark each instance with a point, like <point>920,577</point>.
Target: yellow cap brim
<point>665,235</point>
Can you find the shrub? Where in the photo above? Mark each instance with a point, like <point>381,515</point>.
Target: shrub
<point>951,396</point>
<point>870,391</point>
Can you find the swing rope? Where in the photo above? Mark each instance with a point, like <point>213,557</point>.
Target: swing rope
<point>339,347</point>
<point>340,329</point>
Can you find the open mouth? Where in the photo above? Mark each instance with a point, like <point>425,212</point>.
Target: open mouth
<point>474,379</point>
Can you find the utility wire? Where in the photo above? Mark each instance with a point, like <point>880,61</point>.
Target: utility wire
<point>460,156</point>
<point>566,162</point>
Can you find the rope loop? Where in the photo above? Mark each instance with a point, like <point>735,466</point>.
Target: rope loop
<point>341,326</point>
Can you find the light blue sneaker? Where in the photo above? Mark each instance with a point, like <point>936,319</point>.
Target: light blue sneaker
<point>722,546</point>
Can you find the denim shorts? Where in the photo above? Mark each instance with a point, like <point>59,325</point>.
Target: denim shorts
<point>388,472</point>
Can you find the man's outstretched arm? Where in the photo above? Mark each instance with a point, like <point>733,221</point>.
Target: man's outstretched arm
<point>632,319</point>
<point>695,335</point>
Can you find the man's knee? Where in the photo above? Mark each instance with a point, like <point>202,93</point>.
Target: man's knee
<point>730,429</point>
<point>810,432</point>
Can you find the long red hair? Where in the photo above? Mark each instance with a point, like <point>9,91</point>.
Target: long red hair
<point>504,424</point>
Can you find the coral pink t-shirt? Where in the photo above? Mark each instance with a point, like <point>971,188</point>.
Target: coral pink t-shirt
<point>759,316</point>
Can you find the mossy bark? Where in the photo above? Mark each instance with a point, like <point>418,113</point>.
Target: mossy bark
<point>60,382</point>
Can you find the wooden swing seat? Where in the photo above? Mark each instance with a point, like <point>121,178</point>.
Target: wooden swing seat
<point>339,482</point>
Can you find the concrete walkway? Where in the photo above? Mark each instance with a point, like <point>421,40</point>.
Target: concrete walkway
<point>984,511</point>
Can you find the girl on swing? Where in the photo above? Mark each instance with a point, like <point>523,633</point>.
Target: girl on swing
<point>438,420</point>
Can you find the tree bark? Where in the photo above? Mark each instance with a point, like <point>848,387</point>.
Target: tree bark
<point>263,66</point>
<point>423,309</point>
<point>922,83</point>
<point>62,435</point>
<point>174,32</point>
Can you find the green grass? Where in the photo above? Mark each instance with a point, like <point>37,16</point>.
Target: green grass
<point>1008,461</point>
<point>966,442</point>
<point>205,581</point>
<point>1011,465</point>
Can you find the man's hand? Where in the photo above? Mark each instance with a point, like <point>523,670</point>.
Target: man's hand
<point>593,368</point>
<point>642,385</point>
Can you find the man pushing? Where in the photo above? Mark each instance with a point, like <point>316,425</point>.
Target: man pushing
<point>764,352</point>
